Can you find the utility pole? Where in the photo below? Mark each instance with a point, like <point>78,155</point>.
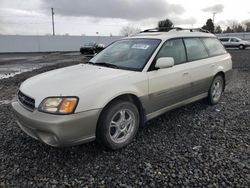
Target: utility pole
<point>53,25</point>
<point>214,16</point>
<point>214,13</point>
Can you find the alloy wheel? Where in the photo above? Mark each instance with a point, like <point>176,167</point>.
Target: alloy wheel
<point>217,89</point>
<point>122,125</point>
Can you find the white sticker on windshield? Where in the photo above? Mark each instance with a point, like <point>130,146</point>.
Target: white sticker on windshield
<point>141,46</point>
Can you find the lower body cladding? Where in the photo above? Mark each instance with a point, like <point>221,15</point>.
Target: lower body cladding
<point>58,130</point>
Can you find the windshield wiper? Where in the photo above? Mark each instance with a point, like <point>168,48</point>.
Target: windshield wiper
<point>107,65</point>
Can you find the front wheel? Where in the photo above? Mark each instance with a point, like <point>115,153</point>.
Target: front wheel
<point>216,90</point>
<point>241,47</point>
<point>118,125</point>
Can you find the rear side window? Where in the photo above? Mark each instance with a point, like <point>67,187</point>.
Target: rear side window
<point>234,40</point>
<point>195,49</point>
<point>224,39</point>
<point>173,48</point>
<point>214,46</point>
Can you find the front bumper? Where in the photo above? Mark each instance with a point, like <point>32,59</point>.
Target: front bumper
<point>57,130</point>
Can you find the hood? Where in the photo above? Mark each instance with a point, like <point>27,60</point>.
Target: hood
<point>69,81</point>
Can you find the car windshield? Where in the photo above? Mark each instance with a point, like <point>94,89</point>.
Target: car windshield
<point>129,54</point>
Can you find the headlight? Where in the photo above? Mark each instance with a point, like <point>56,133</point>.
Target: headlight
<point>59,105</point>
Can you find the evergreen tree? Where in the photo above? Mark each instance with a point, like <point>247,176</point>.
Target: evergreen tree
<point>165,25</point>
<point>209,26</point>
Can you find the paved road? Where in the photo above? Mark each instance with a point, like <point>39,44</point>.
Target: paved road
<point>13,64</point>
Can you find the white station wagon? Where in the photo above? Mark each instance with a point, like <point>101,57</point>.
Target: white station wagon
<point>130,82</point>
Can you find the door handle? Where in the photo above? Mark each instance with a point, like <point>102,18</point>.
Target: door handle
<point>185,73</point>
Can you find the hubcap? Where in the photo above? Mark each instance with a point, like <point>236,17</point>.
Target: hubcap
<point>217,90</point>
<point>121,125</point>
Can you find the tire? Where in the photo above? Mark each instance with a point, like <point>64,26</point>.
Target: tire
<point>118,125</point>
<point>216,90</point>
<point>241,47</point>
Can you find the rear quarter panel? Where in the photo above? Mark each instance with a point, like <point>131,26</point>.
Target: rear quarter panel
<point>223,63</point>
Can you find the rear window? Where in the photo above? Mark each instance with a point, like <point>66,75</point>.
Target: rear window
<point>214,46</point>
<point>195,49</point>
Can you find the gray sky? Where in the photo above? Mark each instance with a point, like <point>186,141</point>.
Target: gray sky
<point>77,17</point>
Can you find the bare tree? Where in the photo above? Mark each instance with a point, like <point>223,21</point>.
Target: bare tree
<point>247,24</point>
<point>129,30</point>
<point>236,26</point>
<point>239,28</point>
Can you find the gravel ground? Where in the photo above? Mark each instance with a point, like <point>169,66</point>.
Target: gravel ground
<point>194,146</point>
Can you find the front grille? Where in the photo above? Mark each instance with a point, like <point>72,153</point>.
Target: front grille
<point>26,101</point>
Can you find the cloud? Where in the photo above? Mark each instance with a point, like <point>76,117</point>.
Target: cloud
<point>20,4</point>
<point>218,8</point>
<point>123,9</point>
<point>184,21</point>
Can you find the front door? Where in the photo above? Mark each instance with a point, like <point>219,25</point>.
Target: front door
<point>169,86</point>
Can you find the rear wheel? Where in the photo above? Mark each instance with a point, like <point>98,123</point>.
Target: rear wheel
<point>216,90</point>
<point>118,125</point>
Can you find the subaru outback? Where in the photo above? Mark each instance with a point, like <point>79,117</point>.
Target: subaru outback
<point>130,82</point>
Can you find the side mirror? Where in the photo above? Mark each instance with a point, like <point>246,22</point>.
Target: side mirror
<point>164,62</point>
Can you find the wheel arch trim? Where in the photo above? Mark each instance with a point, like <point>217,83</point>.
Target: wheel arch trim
<point>128,96</point>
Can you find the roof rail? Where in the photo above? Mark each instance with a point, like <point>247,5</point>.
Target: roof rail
<point>151,30</point>
<point>167,29</point>
<point>190,29</point>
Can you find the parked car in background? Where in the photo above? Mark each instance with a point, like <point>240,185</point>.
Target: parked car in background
<point>130,82</point>
<point>234,42</point>
<point>91,48</point>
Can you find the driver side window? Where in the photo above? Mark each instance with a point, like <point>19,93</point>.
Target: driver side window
<point>173,48</point>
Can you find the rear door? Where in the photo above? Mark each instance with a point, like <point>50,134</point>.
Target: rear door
<point>234,42</point>
<point>170,85</point>
<point>200,67</point>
